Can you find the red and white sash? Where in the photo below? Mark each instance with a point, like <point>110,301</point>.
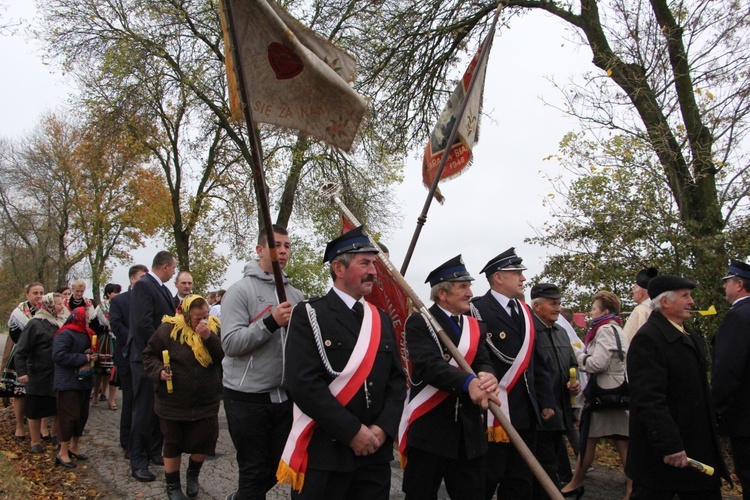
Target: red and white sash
<point>293,463</point>
<point>430,397</point>
<point>495,433</point>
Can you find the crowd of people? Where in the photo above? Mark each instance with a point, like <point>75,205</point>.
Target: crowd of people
<point>316,396</point>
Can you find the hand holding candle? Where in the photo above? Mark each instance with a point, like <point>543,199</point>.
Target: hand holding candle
<point>165,357</point>
<point>701,467</point>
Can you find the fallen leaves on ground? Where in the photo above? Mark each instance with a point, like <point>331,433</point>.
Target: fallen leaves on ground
<point>37,473</point>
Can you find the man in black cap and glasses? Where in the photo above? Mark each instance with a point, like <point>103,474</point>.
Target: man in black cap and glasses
<point>345,378</point>
<point>442,432</point>
<point>524,378</point>
<point>671,413</point>
<point>730,377</point>
<point>554,344</point>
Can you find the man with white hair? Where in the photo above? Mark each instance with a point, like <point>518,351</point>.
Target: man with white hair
<point>671,414</point>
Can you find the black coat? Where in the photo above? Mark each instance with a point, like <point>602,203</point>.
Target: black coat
<point>307,382</point>
<point>149,303</point>
<point>34,356</point>
<point>438,431</point>
<point>69,354</point>
<point>670,409</point>
<point>119,321</point>
<point>554,345</point>
<point>534,390</point>
<point>730,378</point>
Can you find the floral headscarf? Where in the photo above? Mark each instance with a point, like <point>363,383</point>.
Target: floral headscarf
<point>46,309</point>
<point>77,323</point>
<point>184,333</point>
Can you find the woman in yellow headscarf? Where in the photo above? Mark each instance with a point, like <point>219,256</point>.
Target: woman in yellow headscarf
<point>188,414</point>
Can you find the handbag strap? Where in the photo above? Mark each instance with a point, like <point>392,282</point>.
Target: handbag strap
<point>620,353</point>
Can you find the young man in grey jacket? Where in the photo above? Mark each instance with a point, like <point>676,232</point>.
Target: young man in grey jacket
<point>258,409</point>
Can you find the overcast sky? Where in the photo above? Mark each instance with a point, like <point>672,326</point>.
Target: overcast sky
<point>493,206</point>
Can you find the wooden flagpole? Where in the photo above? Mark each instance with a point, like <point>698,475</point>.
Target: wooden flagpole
<point>331,191</point>
<point>451,138</point>
<point>257,164</point>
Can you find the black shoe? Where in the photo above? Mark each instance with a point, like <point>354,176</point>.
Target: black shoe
<point>144,475</point>
<point>47,438</point>
<point>576,493</point>
<point>37,448</point>
<point>78,456</point>
<point>158,461</point>
<point>174,492</point>
<point>191,488</point>
<point>59,461</point>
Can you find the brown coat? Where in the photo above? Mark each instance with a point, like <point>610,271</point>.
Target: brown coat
<point>195,389</point>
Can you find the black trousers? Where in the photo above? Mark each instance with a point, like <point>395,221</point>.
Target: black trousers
<point>464,478</point>
<point>641,492</point>
<point>507,473</point>
<point>367,482</point>
<point>259,432</point>
<point>741,458</point>
<point>126,415</point>
<point>145,434</point>
<point>548,448</point>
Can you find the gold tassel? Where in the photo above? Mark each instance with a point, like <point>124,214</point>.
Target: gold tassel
<point>497,435</point>
<point>285,475</point>
<point>235,103</point>
<point>402,460</point>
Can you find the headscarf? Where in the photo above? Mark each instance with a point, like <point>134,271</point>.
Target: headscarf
<point>46,310</point>
<point>598,322</point>
<point>184,333</point>
<point>77,323</point>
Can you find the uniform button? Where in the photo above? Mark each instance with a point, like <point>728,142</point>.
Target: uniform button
<point>370,384</point>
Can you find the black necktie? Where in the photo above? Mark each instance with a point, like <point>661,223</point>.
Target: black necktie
<point>359,311</point>
<point>514,314</point>
<point>456,320</point>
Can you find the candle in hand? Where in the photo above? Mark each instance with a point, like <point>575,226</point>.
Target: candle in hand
<point>165,357</point>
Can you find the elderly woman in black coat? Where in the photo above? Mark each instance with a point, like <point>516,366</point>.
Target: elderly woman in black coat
<point>35,367</point>
<point>74,378</point>
<point>189,414</point>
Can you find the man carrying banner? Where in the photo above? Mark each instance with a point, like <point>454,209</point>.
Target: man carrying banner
<point>346,382</point>
<point>442,432</point>
<point>524,379</point>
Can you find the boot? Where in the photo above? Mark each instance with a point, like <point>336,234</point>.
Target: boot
<point>193,470</point>
<point>174,488</point>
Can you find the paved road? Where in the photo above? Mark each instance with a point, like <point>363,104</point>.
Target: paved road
<point>219,474</point>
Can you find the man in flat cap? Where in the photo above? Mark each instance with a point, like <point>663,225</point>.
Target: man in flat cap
<point>346,381</point>
<point>642,310</point>
<point>671,414</point>
<point>442,435</point>
<point>525,382</point>
<point>730,377</point>
<point>554,344</point>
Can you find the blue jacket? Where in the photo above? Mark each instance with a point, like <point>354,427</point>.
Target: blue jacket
<point>68,353</point>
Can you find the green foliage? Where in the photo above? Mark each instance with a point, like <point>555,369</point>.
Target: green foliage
<point>306,268</point>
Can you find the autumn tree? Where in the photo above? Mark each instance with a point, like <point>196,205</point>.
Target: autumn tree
<point>164,62</point>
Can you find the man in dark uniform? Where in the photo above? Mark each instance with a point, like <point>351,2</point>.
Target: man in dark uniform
<point>671,414</point>
<point>119,321</point>
<point>730,377</point>
<point>347,384</point>
<point>525,381</point>
<point>150,301</point>
<point>442,433</point>
<point>554,344</point>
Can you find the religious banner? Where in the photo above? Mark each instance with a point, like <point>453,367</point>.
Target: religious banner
<point>460,156</point>
<point>296,78</point>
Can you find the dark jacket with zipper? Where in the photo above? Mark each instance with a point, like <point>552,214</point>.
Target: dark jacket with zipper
<point>195,395</point>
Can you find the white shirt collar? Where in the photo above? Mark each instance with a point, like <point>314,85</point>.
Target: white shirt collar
<point>741,298</point>
<point>447,313</point>
<point>501,298</point>
<point>158,279</point>
<point>348,299</point>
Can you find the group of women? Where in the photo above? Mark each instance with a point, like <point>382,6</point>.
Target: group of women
<point>52,352</point>
<point>56,358</point>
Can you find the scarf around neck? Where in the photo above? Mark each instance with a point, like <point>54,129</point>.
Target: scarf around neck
<point>183,333</point>
<point>598,322</point>
<point>77,323</point>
